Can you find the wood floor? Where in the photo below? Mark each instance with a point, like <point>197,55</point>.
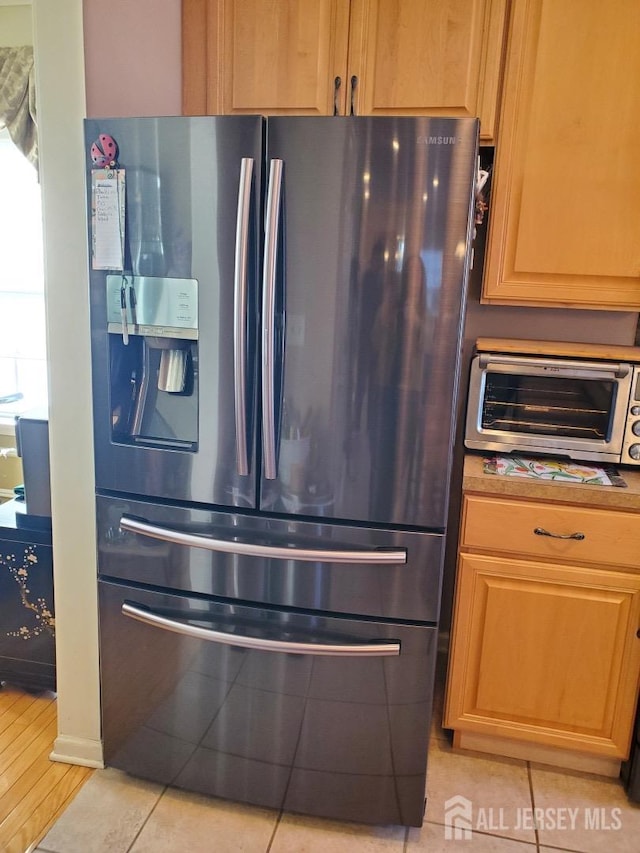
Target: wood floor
<point>34,791</point>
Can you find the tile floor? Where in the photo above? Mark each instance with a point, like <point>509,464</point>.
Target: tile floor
<point>115,813</point>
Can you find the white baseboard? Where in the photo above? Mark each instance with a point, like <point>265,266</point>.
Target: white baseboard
<point>77,750</point>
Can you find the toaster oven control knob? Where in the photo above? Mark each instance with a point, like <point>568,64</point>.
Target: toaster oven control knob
<point>635,429</point>
<point>634,451</point>
<point>635,410</point>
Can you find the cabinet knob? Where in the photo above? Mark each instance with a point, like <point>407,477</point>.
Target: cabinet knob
<point>540,531</point>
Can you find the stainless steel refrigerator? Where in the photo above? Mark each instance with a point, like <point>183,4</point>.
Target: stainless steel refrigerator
<point>275,371</point>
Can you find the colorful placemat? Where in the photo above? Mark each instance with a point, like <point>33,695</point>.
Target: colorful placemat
<point>560,470</point>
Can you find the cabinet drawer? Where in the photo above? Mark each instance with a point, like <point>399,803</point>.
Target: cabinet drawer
<point>609,537</point>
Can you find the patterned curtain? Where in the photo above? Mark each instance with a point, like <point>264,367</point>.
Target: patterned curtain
<point>18,99</point>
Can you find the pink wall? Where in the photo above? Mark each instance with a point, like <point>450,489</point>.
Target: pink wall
<point>132,57</point>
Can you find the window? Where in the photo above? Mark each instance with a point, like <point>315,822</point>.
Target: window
<point>23,364</point>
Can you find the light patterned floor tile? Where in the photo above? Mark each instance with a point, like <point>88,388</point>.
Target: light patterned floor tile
<point>115,813</point>
<point>298,834</point>
<point>105,816</point>
<point>189,822</point>
<point>494,792</point>
<point>587,813</point>
<point>433,837</point>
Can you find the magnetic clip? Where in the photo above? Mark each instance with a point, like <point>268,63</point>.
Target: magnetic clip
<point>104,152</point>
<point>123,311</point>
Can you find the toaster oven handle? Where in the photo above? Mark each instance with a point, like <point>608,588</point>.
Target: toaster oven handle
<point>489,360</point>
<point>540,531</point>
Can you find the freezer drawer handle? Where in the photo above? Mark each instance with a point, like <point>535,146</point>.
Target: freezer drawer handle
<point>380,649</point>
<point>386,556</point>
<point>240,313</point>
<point>269,318</point>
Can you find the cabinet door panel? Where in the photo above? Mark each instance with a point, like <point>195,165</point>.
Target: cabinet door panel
<point>265,57</point>
<point>440,57</point>
<point>419,57</point>
<point>565,216</point>
<point>545,653</point>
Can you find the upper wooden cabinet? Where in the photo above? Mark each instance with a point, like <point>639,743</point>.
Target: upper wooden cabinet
<point>565,212</point>
<point>263,56</point>
<point>427,57</point>
<point>324,57</point>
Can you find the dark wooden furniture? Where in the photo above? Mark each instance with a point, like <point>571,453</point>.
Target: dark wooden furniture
<point>27,627</point>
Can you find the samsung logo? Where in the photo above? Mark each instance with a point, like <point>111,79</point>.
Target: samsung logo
<point>439,140</point>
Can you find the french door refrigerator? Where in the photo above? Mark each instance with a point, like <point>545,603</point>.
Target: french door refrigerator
<point>275,368</point>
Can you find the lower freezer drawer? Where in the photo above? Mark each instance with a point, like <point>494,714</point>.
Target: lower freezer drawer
<point>304,712</point>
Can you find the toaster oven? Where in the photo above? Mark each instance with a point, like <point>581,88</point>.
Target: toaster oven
<point>581,407</point>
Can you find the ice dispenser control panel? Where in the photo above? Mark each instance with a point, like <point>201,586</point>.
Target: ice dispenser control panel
<point>153,342</point>
<point>161,307</point>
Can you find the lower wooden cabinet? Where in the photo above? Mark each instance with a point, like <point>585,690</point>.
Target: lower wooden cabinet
<point>543,652</point>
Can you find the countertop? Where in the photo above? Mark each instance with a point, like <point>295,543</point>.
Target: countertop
<point>605,497</point>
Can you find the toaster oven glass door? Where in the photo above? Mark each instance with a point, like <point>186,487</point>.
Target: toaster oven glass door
<point>559,406</point>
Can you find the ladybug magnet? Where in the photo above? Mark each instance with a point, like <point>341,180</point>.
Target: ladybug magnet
<point>104,151</point>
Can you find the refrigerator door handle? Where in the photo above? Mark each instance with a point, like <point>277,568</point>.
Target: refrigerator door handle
<point>383,648</point>
<point>274,195</point>
<point>386,556</point>
<point>240,313</point>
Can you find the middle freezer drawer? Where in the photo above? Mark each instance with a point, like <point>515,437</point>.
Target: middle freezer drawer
<point>284,562</point>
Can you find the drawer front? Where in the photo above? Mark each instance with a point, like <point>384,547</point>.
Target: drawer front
<point>187,701</point>
<point>534,529</point>
<point>403,589</point>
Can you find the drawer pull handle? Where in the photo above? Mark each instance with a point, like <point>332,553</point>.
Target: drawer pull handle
<point>540,531</point>
<point>388,556</point>
<point>375,649</point>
